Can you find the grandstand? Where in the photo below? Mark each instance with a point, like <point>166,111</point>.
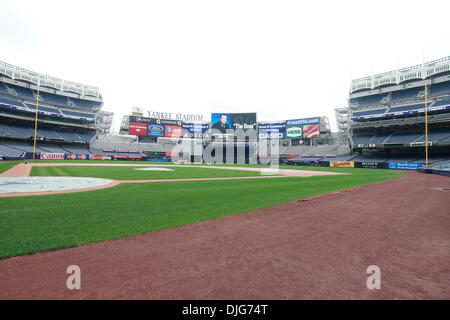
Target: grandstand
<point>387,114</point>
<point>68,114</point>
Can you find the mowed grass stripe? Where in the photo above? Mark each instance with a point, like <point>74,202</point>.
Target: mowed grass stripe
<point>39,223</point>
<point>128,173</point>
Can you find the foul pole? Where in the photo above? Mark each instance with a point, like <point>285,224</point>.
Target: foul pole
<point>426,127</point>
<point>35,120</point>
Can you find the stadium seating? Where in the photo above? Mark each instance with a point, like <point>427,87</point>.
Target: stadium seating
<point>9,151</point>
<point>440,88</point>
<point>9,100</point>
<point>77,114</point>
<point>366,101</point>
<point>407,108</point>
<point>408,94</point>
<point>363,138</point>
<point>437,135</point>
<point>85,136</point>
<point>77,150</point>
<point>369,112</point>
<point>67,135</point>
<point>403,137</point>
<point>442,102</point>
<point>380,137</point>
<point>18,91</point>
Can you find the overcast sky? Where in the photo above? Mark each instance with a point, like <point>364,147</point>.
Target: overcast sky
<point>281,59</point>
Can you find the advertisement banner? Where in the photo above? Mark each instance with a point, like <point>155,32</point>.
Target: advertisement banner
<point>195,130</point>
<point>294,132</point>
<point>137,128</point>
<point>371,165</point>
<point>304,121</point>
<point>72,156</point>
<point>311,131</point>
<point>155,130</point>
<point>404,165</point>
<point>295,128</point>
<point>228,122</point>
<point>342,164</point>
<point>274,130</point>
<point>172,131</point>
<point>100,157</point>
<point>420,144</point>
<point>127,157</point>
<point>52,156</point>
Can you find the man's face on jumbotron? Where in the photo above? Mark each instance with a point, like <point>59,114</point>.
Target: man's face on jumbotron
<point>223,119</point>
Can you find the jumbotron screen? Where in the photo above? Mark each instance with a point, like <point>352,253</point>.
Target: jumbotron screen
<point>227,123</point>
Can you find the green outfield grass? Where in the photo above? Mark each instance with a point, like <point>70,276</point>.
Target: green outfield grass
<point>39,223</point>
<point>128,173</point>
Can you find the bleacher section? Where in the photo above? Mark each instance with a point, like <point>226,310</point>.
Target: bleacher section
<point>13,95</point>
<point>10,130</point>
<point>369,112</point>
<point>434,135</point>
<point>407,108</point>
<point>403,137</point>
<point>8,100</point>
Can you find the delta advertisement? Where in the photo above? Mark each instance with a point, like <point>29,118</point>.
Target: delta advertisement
<point>303,128</point>
<point>195,130</point>
<point>143,126</point>
<point>226,123</point>
<point>273,130</point>
<point>342,164</point>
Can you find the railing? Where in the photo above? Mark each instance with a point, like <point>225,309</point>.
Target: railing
<point>420,71</point>
<point>35,78</point>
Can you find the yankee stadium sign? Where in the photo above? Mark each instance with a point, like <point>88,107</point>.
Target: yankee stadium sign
<point>175,116</point>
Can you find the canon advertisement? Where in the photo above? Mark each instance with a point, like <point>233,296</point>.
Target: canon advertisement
<point>273,130</point>
<point>52,156</point>
<point>227,123</point>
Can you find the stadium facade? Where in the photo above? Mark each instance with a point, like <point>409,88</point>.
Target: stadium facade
<point>387,114</point>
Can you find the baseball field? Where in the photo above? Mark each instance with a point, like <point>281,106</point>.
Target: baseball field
<point>220,212</point>
<point>38,223</point>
